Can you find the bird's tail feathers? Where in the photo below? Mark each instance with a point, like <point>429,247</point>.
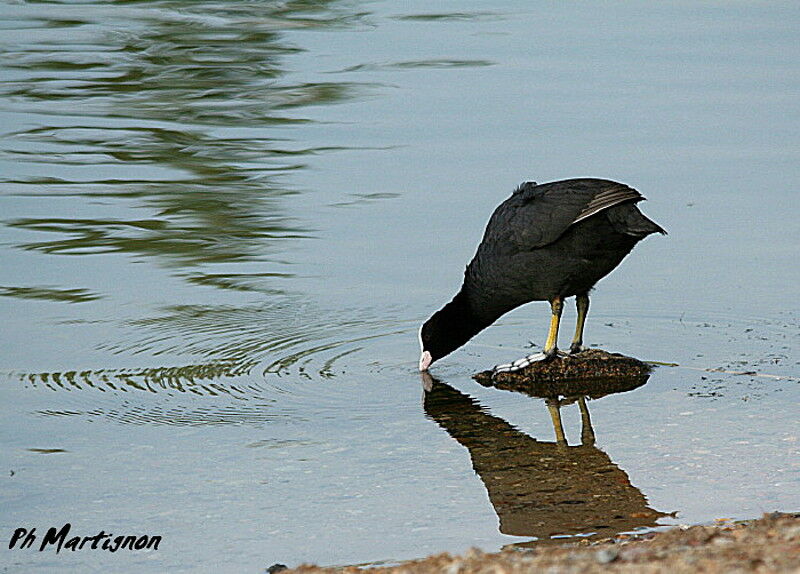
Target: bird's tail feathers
<point>629,220</point>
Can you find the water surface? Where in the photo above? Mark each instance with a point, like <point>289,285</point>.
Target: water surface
<point>222,224</point>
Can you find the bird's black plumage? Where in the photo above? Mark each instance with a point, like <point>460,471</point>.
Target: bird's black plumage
<point>544,243</point>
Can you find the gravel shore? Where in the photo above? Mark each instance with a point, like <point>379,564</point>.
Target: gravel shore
<point>769,544</point>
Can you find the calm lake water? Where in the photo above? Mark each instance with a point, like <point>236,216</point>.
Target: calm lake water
<point>223,222</point>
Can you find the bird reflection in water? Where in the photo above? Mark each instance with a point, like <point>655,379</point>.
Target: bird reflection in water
<point>542,489</point>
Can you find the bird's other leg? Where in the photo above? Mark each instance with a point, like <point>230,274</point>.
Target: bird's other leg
<point>550,345</point>
<point>587,432</point>
<point>582,303</point>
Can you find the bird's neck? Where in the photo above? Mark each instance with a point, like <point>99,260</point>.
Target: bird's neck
<point>462,322</point>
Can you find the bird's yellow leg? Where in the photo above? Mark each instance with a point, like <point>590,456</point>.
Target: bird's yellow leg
<point>551,344</point>
<point>582,303</point>
<point>555,415</point>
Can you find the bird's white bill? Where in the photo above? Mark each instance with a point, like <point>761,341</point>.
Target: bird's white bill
<point>425,361</point>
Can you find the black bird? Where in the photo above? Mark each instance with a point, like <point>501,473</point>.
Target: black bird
<point>544,243</point>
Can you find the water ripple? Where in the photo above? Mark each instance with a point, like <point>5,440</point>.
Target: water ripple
<point>273,345</point>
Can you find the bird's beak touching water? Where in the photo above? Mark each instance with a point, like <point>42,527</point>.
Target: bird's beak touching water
<point>425,361</point>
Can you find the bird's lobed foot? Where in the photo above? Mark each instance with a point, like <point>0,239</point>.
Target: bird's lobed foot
<point>520,363</point>
<point>575,349</point>
<point>527,361</point>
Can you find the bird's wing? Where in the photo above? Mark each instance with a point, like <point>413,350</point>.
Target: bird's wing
<point>609,197</point>
<point>537,215</point>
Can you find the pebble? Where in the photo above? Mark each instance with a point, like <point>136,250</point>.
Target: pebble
<point>607,555</point>
<point>792,532</point>
<point>721,541</point>
<point>473,553</point>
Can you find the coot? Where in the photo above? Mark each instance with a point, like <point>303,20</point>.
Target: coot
<point>544,243</point>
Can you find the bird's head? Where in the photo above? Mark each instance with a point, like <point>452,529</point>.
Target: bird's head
<point>447,330</point>
<point>432,342</point>
<point>429,342</point>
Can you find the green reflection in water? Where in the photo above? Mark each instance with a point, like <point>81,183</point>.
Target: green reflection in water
<point>416,64</point>
<point>450,16</point>
<point>165,132</point>
<point>248,282</point>
<point>175,102</point>
<point>46,450</point>
<point>49,294</point>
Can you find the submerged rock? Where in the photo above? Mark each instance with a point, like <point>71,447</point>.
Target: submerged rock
<point>591,373</point>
